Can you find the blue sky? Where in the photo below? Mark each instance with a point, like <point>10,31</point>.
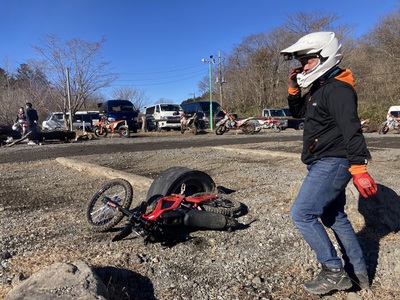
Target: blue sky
<point>158,45</point>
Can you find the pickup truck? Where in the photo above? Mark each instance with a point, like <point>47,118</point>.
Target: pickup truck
<point>284,117</point>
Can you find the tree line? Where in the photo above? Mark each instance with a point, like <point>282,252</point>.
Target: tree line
<point>255,74</point>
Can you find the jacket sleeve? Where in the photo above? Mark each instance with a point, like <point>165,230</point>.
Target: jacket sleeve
<point>297,105</point>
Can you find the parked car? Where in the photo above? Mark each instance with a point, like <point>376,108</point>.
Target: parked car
<point>163,116</point>
<point>115,110</point>
<point>82,120</point>
<point>284,117</point>
<point>204,106</point>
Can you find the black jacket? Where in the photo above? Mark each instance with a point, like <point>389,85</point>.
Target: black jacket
<point>331,126</point>
<point>31,116</point>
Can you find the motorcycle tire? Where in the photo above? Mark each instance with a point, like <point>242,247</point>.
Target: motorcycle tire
<point>170,181</point>
<point>102,217</point>
<point>123,131</point>
<point>221,205</point>
<point>276,128</point>
<point>365,129</point>
<point>100,133</point>
<point>194,129</point>
<point>384,129</point>
<point>183,129</point>
<point>248,128</point>
<point>205,220</point>
<point>220,130</point>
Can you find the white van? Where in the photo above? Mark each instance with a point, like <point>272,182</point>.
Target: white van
<point>83,119</point>
<point>163,116</point>
<point>394,111</point>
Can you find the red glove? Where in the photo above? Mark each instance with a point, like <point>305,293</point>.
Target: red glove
<point>293,85</point>
<point>364,183</point>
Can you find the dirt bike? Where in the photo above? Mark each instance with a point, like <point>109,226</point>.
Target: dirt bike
<point>391,123</point>
<point>103,127</point>
<point>229,122</point>
<point>270,124</point>
<point>21,127</point>
<point>192,123</point>
<point>364,125</point>
<point>163,218</point>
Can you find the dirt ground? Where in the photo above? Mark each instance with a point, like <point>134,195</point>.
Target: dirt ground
<point>43,206</point>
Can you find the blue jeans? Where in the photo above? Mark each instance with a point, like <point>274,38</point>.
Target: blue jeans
<point>322,199</point>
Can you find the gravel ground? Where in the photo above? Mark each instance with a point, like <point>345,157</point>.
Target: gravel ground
<point>43,206</point>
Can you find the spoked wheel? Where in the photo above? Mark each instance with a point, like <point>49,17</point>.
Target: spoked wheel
<point>220,130</point>
<point>221,205</point>
<point>100,215</point>
<point>123,131</point>
<point>384,129</point>
<point>248,128</point>
<point>194,129</point>
<point>276,128</point>
<point>100,132</point>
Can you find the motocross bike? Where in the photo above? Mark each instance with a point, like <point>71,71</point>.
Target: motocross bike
<point>103,127</point>
<point>270,124</point>
<point>158,218</point>
<point>192,123</point>
<point>21,127</point>
<point>391,123</point>
<point>364,125</point>
<point>229,122</point>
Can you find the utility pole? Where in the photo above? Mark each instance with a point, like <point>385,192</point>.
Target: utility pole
<point>220,79</point>
<point>210,62</point>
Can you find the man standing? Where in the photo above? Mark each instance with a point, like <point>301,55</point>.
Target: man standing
<point>334,151</point>
<point>31,119</point>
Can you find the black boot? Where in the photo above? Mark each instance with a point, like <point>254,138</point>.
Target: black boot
<point>329,279</point>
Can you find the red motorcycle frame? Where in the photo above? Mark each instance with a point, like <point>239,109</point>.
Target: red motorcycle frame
<point>157,219</point>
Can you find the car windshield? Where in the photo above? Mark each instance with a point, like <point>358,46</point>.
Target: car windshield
<point>123,108</point>
<point>287,112</point>
<point>395,114</point>
<point>170,107</point>
<point>276,113</point>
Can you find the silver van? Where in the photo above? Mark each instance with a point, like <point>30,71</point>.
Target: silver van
<point>83,120</point>
<point>163,116</point>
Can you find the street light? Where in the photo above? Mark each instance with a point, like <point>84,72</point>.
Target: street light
<point>210,63</point>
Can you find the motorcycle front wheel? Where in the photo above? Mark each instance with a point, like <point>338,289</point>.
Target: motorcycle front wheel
<point>100,132</point>
<point>248,128</point>
<point>220,130</point>
<point>276,128</point>
<point>194,129</point>
<point>384,129</point>
<point>100,215</point>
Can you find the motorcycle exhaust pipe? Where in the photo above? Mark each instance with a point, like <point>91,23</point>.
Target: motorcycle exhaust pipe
<point>206,220</point>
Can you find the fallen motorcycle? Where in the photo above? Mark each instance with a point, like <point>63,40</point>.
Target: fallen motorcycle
<point>160,217</point>
<point>365,125</point>
<point>229,122</point>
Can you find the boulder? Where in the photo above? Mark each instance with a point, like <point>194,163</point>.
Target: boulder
<point>61,281</point>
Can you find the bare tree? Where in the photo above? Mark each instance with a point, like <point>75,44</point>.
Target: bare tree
<point>88,73</point>
<point>136,96</point>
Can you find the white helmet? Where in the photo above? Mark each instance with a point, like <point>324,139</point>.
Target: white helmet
<point>322,44</point>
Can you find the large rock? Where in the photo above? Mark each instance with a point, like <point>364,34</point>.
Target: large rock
<point>61,281</point>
